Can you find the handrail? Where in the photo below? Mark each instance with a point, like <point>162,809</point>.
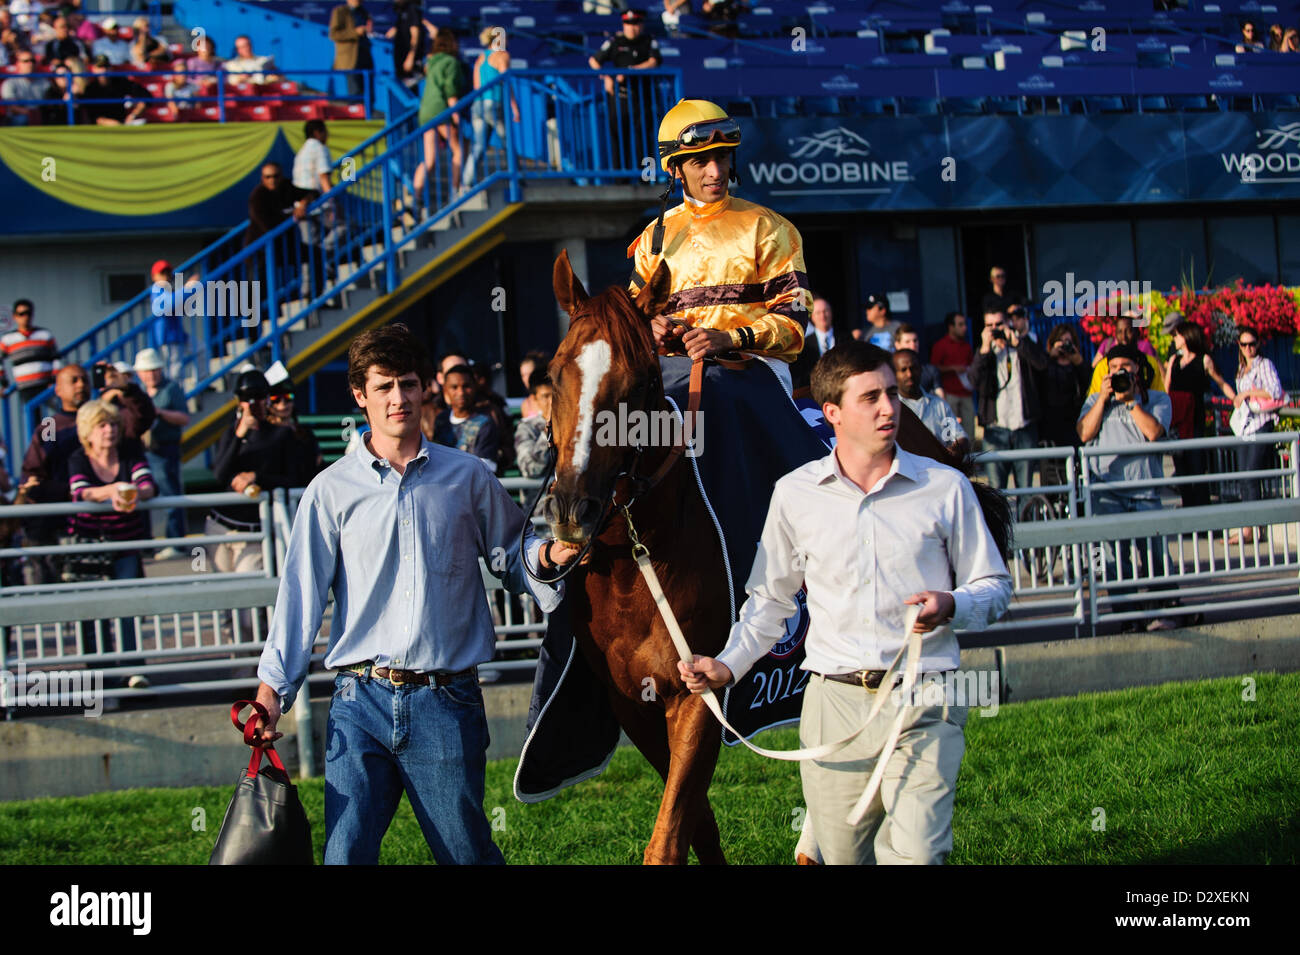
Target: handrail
<point>373,236</point>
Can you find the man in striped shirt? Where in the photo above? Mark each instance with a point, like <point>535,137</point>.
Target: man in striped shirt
<point>32,352</point>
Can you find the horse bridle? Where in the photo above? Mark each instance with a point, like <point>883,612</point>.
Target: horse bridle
<point>640,484</point>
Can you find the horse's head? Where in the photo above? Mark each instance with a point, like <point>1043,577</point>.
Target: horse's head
<point>605,364</point>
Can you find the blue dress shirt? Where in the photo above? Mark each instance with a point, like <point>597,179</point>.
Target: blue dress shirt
<point>401,554</point>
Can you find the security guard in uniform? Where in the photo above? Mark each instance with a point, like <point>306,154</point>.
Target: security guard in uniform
<point>738,274</point>
<point>627,96</point>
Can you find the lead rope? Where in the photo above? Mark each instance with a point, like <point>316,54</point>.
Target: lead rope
<point>911,646</point>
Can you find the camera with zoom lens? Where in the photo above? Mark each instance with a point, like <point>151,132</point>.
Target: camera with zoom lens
<point>1121,382</point>
<point>999,335</point>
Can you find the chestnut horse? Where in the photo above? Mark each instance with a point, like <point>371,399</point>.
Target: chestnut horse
<point>608,358</point>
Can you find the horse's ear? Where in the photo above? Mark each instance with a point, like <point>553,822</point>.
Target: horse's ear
<point>568,287</point>
<point>653,298</point>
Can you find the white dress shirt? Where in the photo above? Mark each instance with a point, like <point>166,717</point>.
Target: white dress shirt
<point>934,412</point>
<point>920,528</point>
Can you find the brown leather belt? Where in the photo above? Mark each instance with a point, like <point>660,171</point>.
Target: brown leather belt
<point>412,677</point>
<point>867,679</point>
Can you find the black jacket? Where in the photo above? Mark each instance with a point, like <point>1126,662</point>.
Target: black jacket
<point>271,452</point>
<point>1033,362</point>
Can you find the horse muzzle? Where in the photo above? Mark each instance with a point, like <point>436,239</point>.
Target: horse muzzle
<point>574,520</point>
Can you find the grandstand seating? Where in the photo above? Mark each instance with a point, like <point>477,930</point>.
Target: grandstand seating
<point>1001,57</point>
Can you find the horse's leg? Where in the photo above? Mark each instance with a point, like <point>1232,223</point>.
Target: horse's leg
<point>647,728</point>
<point>684,813</point>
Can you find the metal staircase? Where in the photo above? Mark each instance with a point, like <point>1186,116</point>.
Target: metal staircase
<point>379,240</point>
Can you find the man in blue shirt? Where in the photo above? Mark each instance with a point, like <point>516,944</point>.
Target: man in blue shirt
<point>1125,413</point>
<point>396,529</point>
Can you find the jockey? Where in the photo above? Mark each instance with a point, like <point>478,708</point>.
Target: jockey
<point>738,278</point>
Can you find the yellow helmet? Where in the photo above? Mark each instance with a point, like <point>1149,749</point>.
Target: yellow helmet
<point>694,126</point>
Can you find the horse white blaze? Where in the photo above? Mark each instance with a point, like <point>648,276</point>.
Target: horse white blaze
<point>593,361</point>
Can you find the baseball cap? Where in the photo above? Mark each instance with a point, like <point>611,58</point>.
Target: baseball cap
<point>148,360</point>
<point>109,24</point>
<point>634,16</point>
<point>251,386</point>
<point>162,265</point>
<point>874,300</point>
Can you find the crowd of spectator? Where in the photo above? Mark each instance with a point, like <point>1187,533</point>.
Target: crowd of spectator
<point>1279,39</point>
<point>1032,395</point>
<point>45,47</point>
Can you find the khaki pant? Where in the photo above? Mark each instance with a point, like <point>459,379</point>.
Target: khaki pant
<point>241,557</point>
<point>910,820</point>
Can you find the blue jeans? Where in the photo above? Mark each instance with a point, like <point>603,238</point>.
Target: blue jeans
<point>1133,557</point>
<point>1256,457</point>
<point>1004,439</point>
<point>166,468</point>
<point>486,116</point>
<point>429,741</point>
<point>126,566</point>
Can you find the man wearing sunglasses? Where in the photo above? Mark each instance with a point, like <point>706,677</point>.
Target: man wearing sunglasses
<point>23,86</point>
<point>32,352</point>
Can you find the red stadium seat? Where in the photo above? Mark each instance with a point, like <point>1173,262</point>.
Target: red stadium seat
<point>249,113</point>
<point>311,109</point>
<point>155,88</point>
<point>283,88</point>
<point>346,111</point>
<point>159,114</point>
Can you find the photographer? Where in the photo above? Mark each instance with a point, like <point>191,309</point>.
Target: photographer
<point>1126,414</point>
<point>254,455</point>
<point>1065,385</point>
<point>136,409</point>
<point>1004,373</point>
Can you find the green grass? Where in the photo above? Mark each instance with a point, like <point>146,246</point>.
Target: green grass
<point>1186,773</point>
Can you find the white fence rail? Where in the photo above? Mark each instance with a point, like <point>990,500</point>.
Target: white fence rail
<point>1067,570</point>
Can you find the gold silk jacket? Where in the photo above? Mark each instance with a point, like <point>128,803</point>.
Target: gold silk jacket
<point>735,266</point>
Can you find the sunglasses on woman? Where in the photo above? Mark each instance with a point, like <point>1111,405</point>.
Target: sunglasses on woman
<point>1248,344</point>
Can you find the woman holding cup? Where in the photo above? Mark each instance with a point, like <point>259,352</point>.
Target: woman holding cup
<point>101,472</point>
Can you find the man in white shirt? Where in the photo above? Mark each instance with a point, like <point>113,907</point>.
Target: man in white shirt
<point>870,529</point>
<point>311,170</point>
<point>249,64</point>
<point>933,411</point>
<point>110,45</point>
<point>823,325</point>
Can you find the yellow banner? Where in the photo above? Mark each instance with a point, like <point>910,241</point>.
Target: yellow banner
<point>152,170</point>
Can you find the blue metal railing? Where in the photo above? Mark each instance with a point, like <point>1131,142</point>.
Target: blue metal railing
<point>228,91</point>
<point>250,294</point>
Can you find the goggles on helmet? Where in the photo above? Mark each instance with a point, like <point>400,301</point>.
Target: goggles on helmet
<point>724,132</point>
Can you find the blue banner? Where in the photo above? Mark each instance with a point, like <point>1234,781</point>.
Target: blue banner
<point>846,163</point>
